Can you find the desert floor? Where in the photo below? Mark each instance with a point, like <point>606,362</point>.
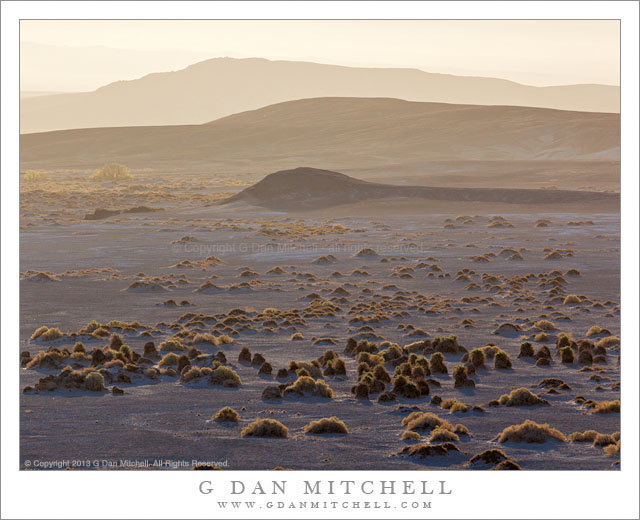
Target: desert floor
<point>414,288</point>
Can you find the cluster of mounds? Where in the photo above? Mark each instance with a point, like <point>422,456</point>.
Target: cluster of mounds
<point>410,365</point>
<point>118,363</point>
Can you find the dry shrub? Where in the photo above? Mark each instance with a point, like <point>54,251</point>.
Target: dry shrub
<point>296,336</point>
<point>205,339</point>
<point>265,368</point>
<point>227,414</point>
<point>544,325</point>
<point>493,456</point>
<point>603,439</point>
<point>477,357</point>
<point>613,449</point>
<point>326,425</point>
<point>225,376</point>
<point>526,350</point>
<point>425,421</point>
<point>541,337</point>
<point>265,428</point>
<point>436,364</point>
<point>422,451</point>
<point>587,436</point>
<point>461,429</point>
<point>507,465</point>
<point>521,397</point>
<point>566,355</point>
<point>572,299</point>
<point>169,360</point>
<point>443,435</point>
<point>595,330</point>
<point>453,405</point>
<point>47,334</point>
<point>609,341</point>
<point>306,385</point>
<point>530,432</point>
<point>604,406</point>
<point>190,373</point>
<point>94,382</point>
<point>409,435</point>
<point>501,360</point>
<point>245,355</point>
<point>171,345</point>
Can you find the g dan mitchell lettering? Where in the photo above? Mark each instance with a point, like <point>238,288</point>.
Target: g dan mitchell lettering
<point>332,487</point>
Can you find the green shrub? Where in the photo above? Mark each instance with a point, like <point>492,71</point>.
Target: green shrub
<point>112,172</point>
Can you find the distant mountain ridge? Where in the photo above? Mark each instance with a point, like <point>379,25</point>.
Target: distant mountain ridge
<point>304,189</point>
<point>220,87</point>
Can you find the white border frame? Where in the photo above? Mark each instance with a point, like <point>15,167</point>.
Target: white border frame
<point>542,494</point>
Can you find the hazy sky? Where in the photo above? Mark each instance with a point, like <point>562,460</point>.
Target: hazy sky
<point>531,52</point>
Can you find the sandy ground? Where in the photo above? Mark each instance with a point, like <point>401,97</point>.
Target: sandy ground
<point>167,419</point>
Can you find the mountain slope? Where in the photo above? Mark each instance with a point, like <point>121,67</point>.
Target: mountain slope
<point>222,86</point>
<point>338,134</point>
<point>303,189</point>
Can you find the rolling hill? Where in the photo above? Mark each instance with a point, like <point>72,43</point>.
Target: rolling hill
<point>353,135</point>
<point>223,86</point>
<point>304,189</point>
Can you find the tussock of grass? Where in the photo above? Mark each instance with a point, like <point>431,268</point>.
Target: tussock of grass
<point>586,436</point>
<point>409,435</point>
<point>170,359</point>
<point>501,360</point>
<point>227,414</point>
<point>521,397</point>
<point>526,350</point>
<point>544,325</point>
<point>46,334</point>
<point>530,432</point>
<point>477,357</point>
<point>595,331</point>
<point>508,465</point>
<point>245,355</point>
<point>610,341</point>
<point>602,407</point>
<point>443,435</point>
<point>94,382</point>
<point>306,385</point>
<point>566,355</point>
<point>436,364</point>
<point>425,421</point>
<point>225,376</point>
<point>422,451</point>
<point>493,456</point>
<point>454,406</point>
<point>171,345</point>
<point>613,449</point>
<point>326,425</point>
<point>265,428</point>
